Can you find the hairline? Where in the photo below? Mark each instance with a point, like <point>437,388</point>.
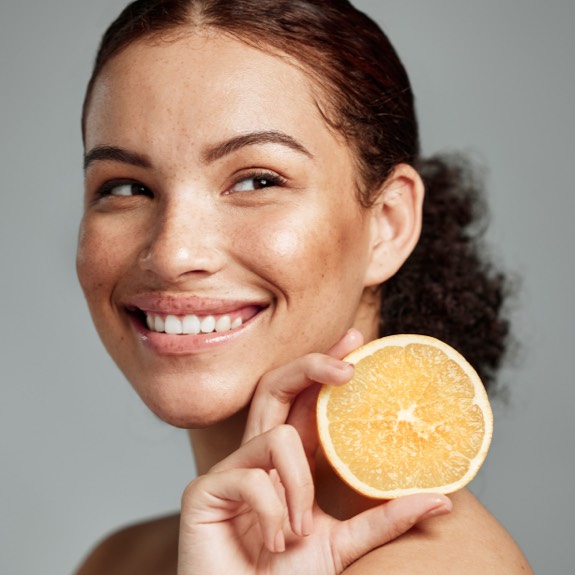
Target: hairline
<point>319,92</point>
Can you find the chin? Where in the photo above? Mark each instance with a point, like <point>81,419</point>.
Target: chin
<point>186,420</point>
<point>191,410</point>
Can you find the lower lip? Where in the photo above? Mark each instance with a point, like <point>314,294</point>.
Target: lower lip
<point>168,344</point>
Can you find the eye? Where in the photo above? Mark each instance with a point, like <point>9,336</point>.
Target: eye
<point>257,181</point>
<point>123,189</point>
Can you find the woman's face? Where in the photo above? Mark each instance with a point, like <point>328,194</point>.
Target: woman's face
<point>217,201</point>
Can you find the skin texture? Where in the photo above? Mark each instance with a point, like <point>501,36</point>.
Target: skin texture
<point>196,237</point>
<point>183,224</point>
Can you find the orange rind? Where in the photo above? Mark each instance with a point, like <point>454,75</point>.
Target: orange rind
<point>415,418</point>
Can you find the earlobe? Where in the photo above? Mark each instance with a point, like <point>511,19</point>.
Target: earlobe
<point>395,223</point>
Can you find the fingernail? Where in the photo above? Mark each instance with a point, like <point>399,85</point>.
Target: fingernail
<point>440,509</point>
<point>280,542</point>
<point>351,331</point>
<point>348,367</point>
<point>307,523</point>
<point>339,364</point>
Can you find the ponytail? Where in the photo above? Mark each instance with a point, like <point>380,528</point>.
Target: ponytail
<point>447,288</point>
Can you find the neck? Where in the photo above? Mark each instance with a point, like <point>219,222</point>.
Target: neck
<point>214,443</point>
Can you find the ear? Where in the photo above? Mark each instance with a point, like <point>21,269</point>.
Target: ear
<point>395,224</point>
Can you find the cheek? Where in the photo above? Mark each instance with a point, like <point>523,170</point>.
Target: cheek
<point>284,243</point>
<point>283,251</point>
<point>87,259</point>
<point>301,252</point>
<point>100,259</point>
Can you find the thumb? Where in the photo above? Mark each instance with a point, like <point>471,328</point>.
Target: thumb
<point>384,523</point>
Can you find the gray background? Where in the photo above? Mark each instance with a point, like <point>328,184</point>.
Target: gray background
<point>80,455</point>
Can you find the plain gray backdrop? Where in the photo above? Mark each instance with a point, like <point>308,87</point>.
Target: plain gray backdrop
<point>80,455</point>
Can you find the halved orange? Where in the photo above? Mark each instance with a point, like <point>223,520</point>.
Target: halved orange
<point>414,418</point>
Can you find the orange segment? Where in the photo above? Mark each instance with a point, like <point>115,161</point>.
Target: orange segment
<point>415,417</point>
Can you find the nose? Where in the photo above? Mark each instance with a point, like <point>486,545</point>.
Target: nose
<point>184,240</point>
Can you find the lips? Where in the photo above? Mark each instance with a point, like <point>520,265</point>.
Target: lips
<point>176,324</point>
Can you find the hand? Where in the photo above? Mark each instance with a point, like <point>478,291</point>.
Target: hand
<point>255,513</point>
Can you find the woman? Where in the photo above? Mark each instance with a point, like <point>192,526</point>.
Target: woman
<point>253,193</point>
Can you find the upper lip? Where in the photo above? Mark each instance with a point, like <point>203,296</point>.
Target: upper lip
<point>185,304</point>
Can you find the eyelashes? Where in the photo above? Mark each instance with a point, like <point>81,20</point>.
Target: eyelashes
<point>250,182</point>
<point>257,180</point>
<point>123,189</point>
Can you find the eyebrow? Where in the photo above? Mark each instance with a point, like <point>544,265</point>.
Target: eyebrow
<point>213,153</point>
<point>115,154</point>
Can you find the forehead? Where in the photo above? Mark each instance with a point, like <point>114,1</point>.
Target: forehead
<point>201,83</point>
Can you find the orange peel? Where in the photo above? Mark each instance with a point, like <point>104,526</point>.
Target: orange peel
<point>414,418</point>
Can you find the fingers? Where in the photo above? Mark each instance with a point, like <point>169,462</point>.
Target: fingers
<point>270,474</point>
<point>278,389</point>
<point>281,450</point>
<point>375,527</point>
<point>303,418</point>
<point>351,340</point>
<point>208,500</point>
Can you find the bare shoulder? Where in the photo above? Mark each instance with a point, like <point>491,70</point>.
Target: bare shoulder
<point>469,540</point>
<point>148,547</point>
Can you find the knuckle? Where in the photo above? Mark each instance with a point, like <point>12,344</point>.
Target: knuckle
<point>267,381</point>
<point>319,357</point>
<point>313,360</point>
<point>192,490</point>
<point>255,477</point>
<point>319,367</point>
<point>281,393</point>
<point>283,435</point>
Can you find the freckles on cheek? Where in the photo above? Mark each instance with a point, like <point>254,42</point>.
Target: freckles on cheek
<point>295,257</point>
<point>94,260</point>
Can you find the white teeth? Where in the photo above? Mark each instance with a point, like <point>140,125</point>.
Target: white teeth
<point>208,324</point>
<point>173,325</point>
<point>224,323</point>
<point>191,324</point>
<point>159,324</point>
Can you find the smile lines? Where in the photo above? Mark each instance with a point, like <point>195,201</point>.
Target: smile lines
<point>191,324</point>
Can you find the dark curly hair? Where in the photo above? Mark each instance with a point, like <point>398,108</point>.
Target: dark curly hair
<point>447,288</point>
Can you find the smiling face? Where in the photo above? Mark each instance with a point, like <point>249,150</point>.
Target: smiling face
<point>218,204</point>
